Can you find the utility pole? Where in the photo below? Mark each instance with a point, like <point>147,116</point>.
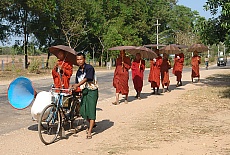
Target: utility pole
<point>218,50</point>
<point>224,49</point>
<point>157,32</point>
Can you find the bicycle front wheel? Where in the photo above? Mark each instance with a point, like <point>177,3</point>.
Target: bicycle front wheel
<point>49,124</point>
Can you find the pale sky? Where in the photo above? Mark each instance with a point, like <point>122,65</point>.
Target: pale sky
<point>196,5</point>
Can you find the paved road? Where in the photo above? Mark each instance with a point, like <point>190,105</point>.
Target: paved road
<point>12,119</point>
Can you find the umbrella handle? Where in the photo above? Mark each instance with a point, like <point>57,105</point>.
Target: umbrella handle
<point>122,58</point>
<point>140,65</point>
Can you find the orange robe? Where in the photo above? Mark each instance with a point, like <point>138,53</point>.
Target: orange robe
<point>165,66</point>
<point>195,66</point>
<point>121,75</point>
<point>154,74</point>
<point>178,66</point>
<point>138,74</point>
<point>67,68</point>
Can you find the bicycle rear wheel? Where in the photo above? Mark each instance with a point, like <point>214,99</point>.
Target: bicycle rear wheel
<point>49,124</point>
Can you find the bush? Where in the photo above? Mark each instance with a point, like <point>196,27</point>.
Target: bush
<point>34,66</point>
<point>52,62</point>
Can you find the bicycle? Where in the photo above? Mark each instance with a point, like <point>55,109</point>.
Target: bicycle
<point>54,116</point>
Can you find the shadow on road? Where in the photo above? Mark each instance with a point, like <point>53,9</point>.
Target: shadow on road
<point>102,126</point>
<point>33,127</point>
<point>219,80</point>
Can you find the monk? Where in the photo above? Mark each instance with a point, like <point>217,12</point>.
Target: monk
<point>62,71</point>
<point>154,74</point>
<point>178,68</point>
<point>195,66</point>
<point>121,76</point>
<point>165,66</point>
<point>138,67</point>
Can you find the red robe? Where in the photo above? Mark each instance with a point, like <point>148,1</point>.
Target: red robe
<point>121,75</point>
<point>178,66</point>
<point>195,66</point>
<point>67,68</point>
<point>165,66</point>
<point>138,74</point>
<point>154,74</point>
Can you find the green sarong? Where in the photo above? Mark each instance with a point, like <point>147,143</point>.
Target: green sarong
<point>89,103</point>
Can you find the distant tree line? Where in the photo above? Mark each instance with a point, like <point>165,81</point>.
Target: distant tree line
<point>94,26</point>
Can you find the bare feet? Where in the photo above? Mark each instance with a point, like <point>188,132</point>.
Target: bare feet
<point>88,136</point>
<point>115,103</point>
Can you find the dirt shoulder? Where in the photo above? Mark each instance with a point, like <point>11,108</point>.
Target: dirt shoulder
<point>191,119</point>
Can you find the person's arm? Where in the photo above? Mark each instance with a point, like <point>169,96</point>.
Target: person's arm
<point>54,70</point>
<point>68,70</point>
<point>159,62</point>
<point>142,64</point>
<point>198,58</point>
<point>127,63</point>
<point>181,60</point>
<point>76,85</point>
<point>133,66</point>
<point>89,76</point>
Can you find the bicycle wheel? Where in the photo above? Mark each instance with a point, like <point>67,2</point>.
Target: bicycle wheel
<point>49,124</point>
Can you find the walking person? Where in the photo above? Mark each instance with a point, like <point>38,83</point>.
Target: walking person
<point>165,66</point>
<point>154,74</point>
<point>121,76</point>
<point>178,68</point>
<point>85,79</point>
<point>195,66</point>
<point>138,67</point>
<point>206,62</point>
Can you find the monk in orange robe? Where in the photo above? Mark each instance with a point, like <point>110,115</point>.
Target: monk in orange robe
<point>178,67</point>
<point>195,66</point>
<point>62,71</point>
<point>154,74</point>
<point>138,67</point>
<point>121,76</point>
<point>165,66</point>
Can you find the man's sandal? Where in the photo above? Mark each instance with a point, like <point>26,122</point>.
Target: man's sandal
<point>89,137</point>
<point>115,103</point>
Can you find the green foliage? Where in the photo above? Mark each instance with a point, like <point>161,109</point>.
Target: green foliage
<point>20,60</point>
<point>221,24</point>
<point>34,66</point>
<point>52,62</point>
<point>95,26</point>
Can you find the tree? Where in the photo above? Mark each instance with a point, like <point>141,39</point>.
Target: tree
<point>221,23</point>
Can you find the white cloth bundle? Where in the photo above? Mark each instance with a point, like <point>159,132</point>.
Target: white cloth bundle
<point>41,101</point>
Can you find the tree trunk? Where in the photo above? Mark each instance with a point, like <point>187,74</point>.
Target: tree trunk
<point>102,57</point>
<point>25,39</point>
<point>47,61</point>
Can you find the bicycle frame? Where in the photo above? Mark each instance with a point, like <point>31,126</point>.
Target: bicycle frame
<point>58,101</point>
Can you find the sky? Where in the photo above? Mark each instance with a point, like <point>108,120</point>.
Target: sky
<point>196,5</point>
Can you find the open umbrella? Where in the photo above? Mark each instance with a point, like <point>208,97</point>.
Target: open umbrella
<point>144,51</point>
<point>133,50</point>
<point>170,49</point>
<point>70,53</point>
<point>198,48</point>
<point>122,48</point>
<point>180,46</point>
<point>154,45</point>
